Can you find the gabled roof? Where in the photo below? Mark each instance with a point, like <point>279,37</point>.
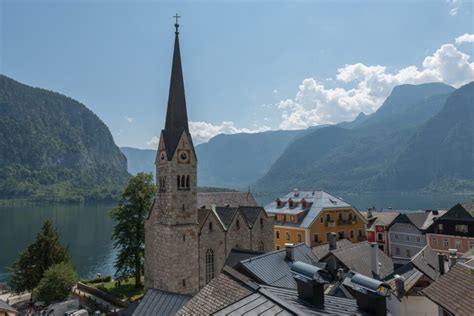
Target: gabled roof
<point>237,255</point>
<point>426,260</point>
<point>457,212</point>
<point>272,268</point>
<point>384,218</point>
<point>202,215</point>
<point>226,214</point>
<point>251,213</point>
<point>5,307</point>
<point>322,250</point>
<point>159,302</point>
<point>418,219</point>
<point>454,291</point>
<point>316,202</point>
<point>357,258</point>
<point>232,199</point>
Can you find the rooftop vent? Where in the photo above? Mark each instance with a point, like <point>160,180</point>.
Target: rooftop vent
<point>370,294</point>
<point>296,193</point>
<point>290,252</point>
<point>310,282</point>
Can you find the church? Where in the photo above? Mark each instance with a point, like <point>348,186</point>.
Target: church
<point>189,235</point>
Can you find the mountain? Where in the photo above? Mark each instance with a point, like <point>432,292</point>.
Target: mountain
<point>361,157</point>
<point>440,155</point>
<point>54,148</point>
<point>140,160</point>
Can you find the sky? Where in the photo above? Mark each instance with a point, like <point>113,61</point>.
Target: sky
<point>248,66</point>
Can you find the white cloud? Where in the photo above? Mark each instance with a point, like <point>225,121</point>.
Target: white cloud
<point>203,131</point>
<point>454,7</point>
<point>465,38</point>
<point>275,91</point>
<point>316,104</point>
<point>129,119</point>
<point>153,141</point>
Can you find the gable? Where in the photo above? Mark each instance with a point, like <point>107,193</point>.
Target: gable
<point>174,140</point>
<point>211,216</point>
<point>457,212</point>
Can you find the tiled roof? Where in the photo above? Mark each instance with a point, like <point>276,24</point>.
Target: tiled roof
<point>222,291</point>
<point>316,200</point>
<point>357,258</point>
<point>322,250</point>
<point>380,218</point>
<point>271,300</point>
<point>233,199</point>
<point>158,302</point>
<point>239,254</point>
<point>454,291</point>
<point>272,268</point>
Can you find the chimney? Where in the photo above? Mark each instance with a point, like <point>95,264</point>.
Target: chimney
<point>452,257</point>
<point>370,294</point>
<point>310,282</point>
<point>290,252</point>
<point>374,260</point>
<point>332,241</point>
<point>296,193</point>
<point>441,263</point>
<point>369,212</point>
<point>399,285</point>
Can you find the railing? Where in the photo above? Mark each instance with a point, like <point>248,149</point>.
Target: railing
<point>330,223</point>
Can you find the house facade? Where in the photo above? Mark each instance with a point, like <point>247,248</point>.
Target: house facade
<point>311,217</point>
<point>377,227</point>
<point>453,230</point>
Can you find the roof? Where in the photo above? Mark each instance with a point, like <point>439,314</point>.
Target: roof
<point>270,300</point>
<point>410,276</point>
<point>322,250</point>
<point>176,113</point>
<point>426,260</point>
<point>457,212</point>
<point>239,254</point>
<point>384,218</point>
<point>357,258</point>
<point>418,219</point>
<point>454,291</point>
<point>272,268</point>
<point>316,201</point>
<point>222,291</point>
<point>5,307</point>
<point>158,302</point>
<point>226,214</point>
<point>251,213</point>
<point>232,199</point>
<point>202,215</point>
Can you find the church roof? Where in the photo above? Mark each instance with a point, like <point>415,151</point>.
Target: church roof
<point>176,114</point>
<point>232,199</point>
<point>159,302</point>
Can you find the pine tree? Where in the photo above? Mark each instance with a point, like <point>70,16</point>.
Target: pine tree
<point>129,230</point>
<point>32,262</point>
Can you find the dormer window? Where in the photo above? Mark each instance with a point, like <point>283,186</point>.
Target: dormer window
<point>303,203</point>
<point>290,203</point>
<point>278,202</point>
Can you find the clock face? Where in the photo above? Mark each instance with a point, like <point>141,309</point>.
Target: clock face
<point>183,156</point>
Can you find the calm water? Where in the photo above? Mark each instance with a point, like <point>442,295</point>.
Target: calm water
<point>86,229</point>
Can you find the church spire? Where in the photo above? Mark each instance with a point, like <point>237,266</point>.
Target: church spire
<point>176,115</point>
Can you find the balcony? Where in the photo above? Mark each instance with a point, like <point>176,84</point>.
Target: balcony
<point>330,223</point>
<point>341,222</point>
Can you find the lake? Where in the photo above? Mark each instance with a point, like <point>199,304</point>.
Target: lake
<point>86,229</point>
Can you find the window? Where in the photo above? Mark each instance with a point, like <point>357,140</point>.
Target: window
<point>187,182</point>
<point>350,216</point>
<point>352,234</point>
<point>407,237</point>
<point>209,265</point>
<point>328,236</point>
<point>461,228</point>
<point>277,233</point>
<point>299,237</point>
<point>210,226</point>
<point>408,253</point>
<point>178,182</point>
<point>184,237</point>
<point>418,239</point>
<point>440,227</point>
<point>445,243</point>
<point>360,232</point>
<point>261,246</point>
<point>290,203</point>
<point>184,282</point>
<point>237,246</point>
<point>396,236</point>
<point>397,250</point>
<point>261,222</point>
<point>379,236</point>
<point>321,220</point>
<point>341,235</point>
<point>471,244</point>
<point>278,202</point>
<point>184,208</point>
<point>458,244</point>
<point>287,236</point>
<point>183,182</point>
<point>278,247</point>
<point>433,242</point>
<point>162,184</point>
<point>328,217</point>
<point>315,238</point>
<point>237,224</point>
<point>340,216</point>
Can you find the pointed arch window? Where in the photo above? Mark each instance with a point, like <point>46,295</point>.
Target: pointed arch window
<point>183,184</point>
<point>209,265</point>
<point>178,182</point>
<point>261,246</point>
<point>187,182</point>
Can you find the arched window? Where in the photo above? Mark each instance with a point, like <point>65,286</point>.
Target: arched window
<point>210,226</point>
<point>261,222</point>
<point>237,224</point>
<point>183,181</point>
<point>178,182</point>
<point>209,265</point>
<point>261,246</point>
<point>187,181</point>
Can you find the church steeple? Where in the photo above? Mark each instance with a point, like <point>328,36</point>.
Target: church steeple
<point>176,115</point>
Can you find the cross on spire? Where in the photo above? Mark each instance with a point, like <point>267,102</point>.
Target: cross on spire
<point>176,25</point>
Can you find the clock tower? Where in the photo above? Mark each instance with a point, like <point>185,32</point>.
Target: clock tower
<point>171,230</point>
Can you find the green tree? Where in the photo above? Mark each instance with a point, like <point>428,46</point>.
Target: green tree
<point>32,262</point>
<point>56,283</point>
<point>129,230</point>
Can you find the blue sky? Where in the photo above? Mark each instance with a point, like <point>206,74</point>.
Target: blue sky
<point>248,65</point>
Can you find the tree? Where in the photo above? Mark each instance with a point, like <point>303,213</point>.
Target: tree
<point>129,230</point>
<point>32,262</point>
<point>56,283</point>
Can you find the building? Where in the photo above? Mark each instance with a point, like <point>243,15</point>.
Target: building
<point>186,243</point>
<point>453,292</point>
<point>452,230</point>
<point>310,217</point>
<point>377,223</point>
<point>7,310</point>
<point>407,234</point>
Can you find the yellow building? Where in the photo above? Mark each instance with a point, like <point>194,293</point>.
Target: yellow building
<point>311,216</point>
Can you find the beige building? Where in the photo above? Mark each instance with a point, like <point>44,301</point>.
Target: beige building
<point>186,243</point>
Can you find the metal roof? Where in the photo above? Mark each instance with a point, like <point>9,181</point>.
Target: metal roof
<point>316,201</point>
<point>272,268</point>
<point>158,302</point>
<point>233,199</point>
